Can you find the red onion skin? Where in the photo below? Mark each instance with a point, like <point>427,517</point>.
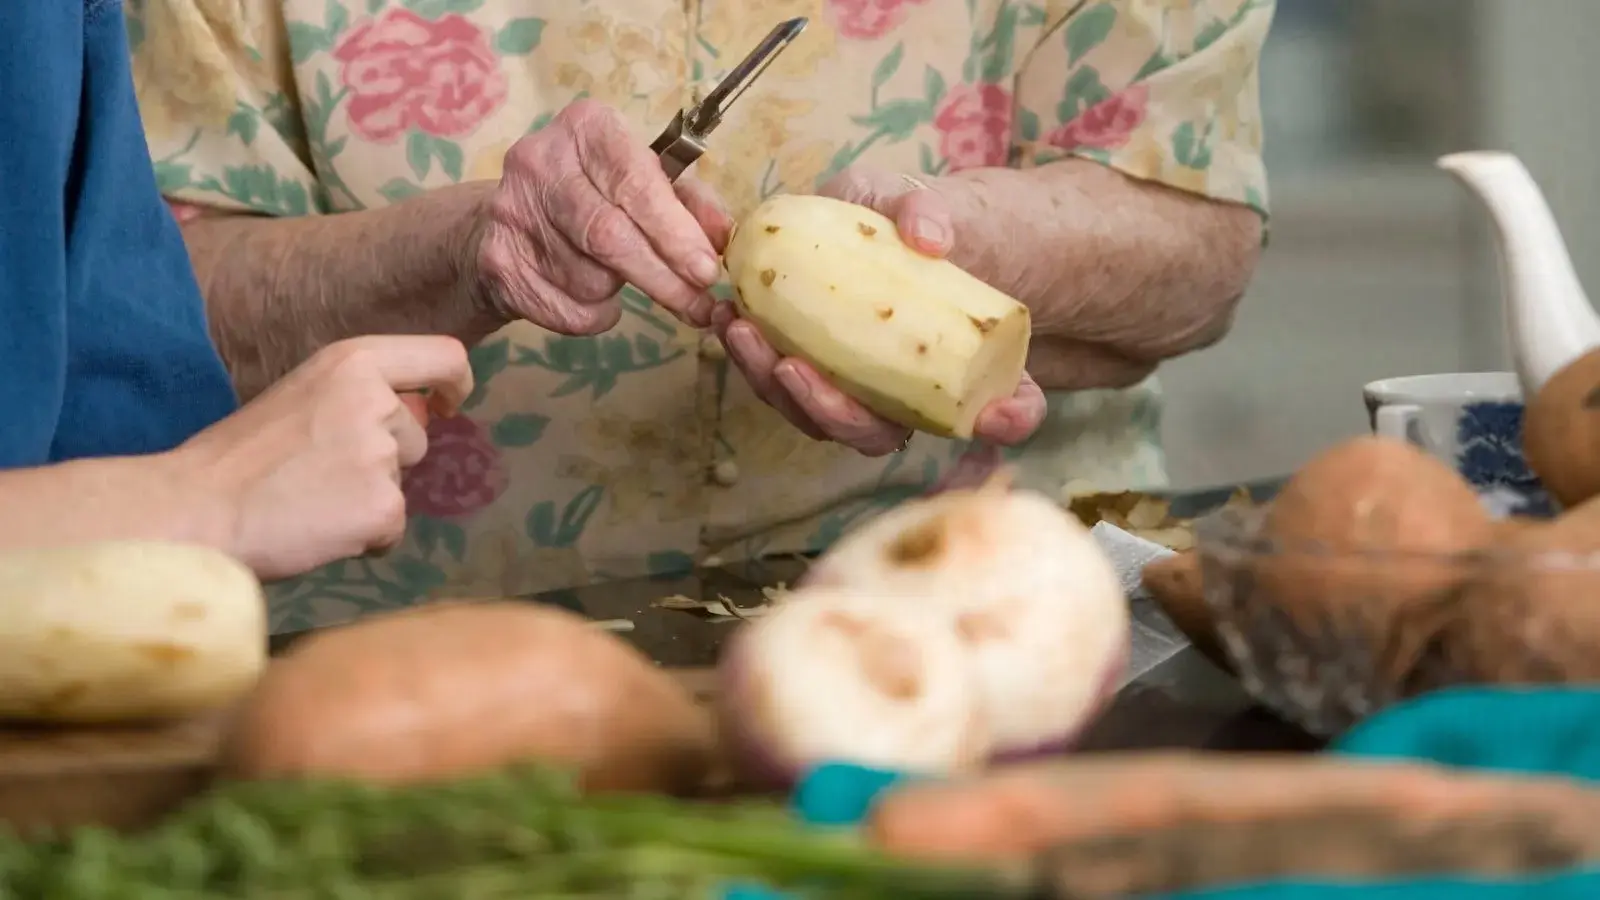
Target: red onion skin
<point>759,767</point>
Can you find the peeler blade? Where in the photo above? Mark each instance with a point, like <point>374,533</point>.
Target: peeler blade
<point>684,139</point>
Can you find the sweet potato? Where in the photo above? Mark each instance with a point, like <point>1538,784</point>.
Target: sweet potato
<point>1369,544</point>
<point>1531,615</point>
<point>1174,582</point>
<point>1115,826</point>
<point>454,688</point>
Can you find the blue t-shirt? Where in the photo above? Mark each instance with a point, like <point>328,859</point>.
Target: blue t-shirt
<point>103,342</point>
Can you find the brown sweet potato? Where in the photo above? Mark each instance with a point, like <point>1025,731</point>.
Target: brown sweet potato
<point>452,688</point>
<point>1533,613</point>
<point>1174,582</point>
<point>1135,824</point>
<point>1369,541</point>
<point>1561,431</point>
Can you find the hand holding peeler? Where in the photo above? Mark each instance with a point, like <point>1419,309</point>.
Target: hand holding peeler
<point>684,141</point>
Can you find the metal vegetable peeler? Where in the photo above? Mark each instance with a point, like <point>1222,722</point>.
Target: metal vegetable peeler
<point>684,141</point>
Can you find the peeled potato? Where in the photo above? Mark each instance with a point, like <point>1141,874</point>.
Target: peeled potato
<point>914,338</point>
<point>126,631</point>
<point>454,688</point>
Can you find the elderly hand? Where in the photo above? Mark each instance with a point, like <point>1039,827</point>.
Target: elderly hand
<point>821,410</point>
<point>582,207</point>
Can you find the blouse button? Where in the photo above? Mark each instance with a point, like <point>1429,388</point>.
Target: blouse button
<point>725,473</point>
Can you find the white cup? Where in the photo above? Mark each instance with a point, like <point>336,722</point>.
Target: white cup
<point>1471,420</point>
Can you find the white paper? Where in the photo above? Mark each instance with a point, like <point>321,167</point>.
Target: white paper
<point>1154,639</point>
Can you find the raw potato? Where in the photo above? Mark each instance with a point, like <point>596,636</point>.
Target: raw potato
<point>1141,824</point>
<point>1174,582</point>
<point>1370,539</point>
<point>126,631</point>
<point>1534,614</point>
<point>914,338</point>
<point>1561,431</point>
<point>454,688</point>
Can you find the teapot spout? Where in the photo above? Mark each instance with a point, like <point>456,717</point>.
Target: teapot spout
<point>1548,317</point>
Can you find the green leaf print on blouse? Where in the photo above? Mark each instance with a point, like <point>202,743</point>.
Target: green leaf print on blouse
<point>519,37</point>
<point>488,359</point>
<point>433,534</point>
<point>595,363</point>
<point>396,189</point>
<point>1192,149</point>
<point>307,40</point>
<point>894,120</point>
<point>423,148</point>
<point>546,529</point>
<point>433,9</point>
<point>518,429</point>
<point>991,57</point>
<point>1088,30</point>
<point>318,114</point>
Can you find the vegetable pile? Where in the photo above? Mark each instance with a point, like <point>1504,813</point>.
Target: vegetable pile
<point>1377,574</point>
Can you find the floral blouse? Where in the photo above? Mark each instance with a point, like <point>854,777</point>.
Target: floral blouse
<point>638,451</point>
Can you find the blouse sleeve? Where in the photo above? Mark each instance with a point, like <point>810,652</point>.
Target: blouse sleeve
<point>1162,91</point>
<point>216,90</point>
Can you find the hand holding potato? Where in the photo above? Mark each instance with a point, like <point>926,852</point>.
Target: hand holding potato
<point>817,406</point>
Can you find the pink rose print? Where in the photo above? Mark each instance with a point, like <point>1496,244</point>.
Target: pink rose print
<point>866,20</point>
<point>1105,125</point>
<point>461,474</point>
<point>403,71</point>
<point>972,468</point>
<point>974,125</point>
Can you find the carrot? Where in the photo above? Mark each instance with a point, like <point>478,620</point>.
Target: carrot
<point>1117,825</point>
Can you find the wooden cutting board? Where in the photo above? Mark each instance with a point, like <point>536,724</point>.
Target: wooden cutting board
<point>127,777</point>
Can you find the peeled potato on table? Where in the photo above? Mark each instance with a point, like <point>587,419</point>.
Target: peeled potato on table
<point>126,631</point>
<point>916,339</point>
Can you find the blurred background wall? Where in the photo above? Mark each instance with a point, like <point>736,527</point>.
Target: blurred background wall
<point>1379,264</point>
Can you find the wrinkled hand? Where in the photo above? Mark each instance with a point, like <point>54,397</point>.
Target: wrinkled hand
<point>814,405</point>
<point>583,207</point>
<point>309,471</point>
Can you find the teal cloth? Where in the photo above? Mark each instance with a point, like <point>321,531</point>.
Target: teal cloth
<point>1534,730</point>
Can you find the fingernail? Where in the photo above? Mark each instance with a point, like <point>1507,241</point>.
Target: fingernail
<point>742,343</point>
<point>705,269</point>
<point>699,312</point>
<point>929,231</point>
<point>792,381</point>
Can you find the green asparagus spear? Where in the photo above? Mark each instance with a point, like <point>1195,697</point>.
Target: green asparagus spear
<point>523,834</point>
